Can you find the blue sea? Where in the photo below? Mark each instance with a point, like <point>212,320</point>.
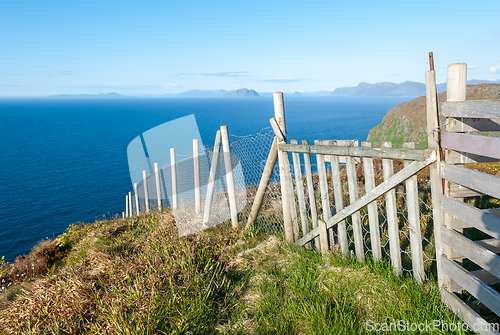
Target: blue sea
<point>64,161</point>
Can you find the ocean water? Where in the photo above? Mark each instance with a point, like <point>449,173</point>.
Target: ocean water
<point>65,161</point>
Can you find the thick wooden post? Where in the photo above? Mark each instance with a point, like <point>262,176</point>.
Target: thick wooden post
<point>211,180</point>
<point>435,178</point>
<point>158,186</point>
<point>231,192</point>
<point>196,167</point>
<point>392,216</point>
<point>174,177</point>
<point>137,211</point>
<point>417,255</point>
<point>146,192</point>
<point>264,181</point>
<point>279,115</point>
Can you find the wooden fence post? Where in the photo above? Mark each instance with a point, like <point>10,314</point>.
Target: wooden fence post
<point>196,167</point>
<point>146,191</point>
<point>158,186</point>
<point>392,215</point>
<point>231,192</point>
<point>372,206</point>
<point>417,255</point>
<point>264,181</point>
<point>279,115</point>
<point>435,178</point>
<point>300,190</point>
<point>211,180</point>
<point>137,211</point>
<point>323,186</point>
<point>173,173</point>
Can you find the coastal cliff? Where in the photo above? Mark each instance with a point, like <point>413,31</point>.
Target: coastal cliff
<point>407,121</point>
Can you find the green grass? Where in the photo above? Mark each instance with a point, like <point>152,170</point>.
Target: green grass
<point>136,276</point>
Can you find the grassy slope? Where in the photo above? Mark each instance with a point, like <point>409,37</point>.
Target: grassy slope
<point>136,276</point>
<point>407,121</point>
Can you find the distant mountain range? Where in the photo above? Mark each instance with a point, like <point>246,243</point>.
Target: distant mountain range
<point>240,93</point>
<point>111,95</point>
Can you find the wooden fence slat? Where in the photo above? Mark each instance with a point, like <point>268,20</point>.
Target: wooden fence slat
<point>310,191</point>
<point>352,182</point>
<point>460,191</point>
<point>478,181</point>
<point>339,203</point>
<point>211,180</point>
<point>323,185</point>
<point>299,185</point>
<point>372,207</point>
<point>486,277</point>
<point>474,144</point>
<point>323,236</point>
<point>392,216</point>
<point>291,196</point>
<point>416,155</point>
<point>488,296</point>
<point>472,216</point>
<point>130,206</point>
<point>466,313</point>
<point>471,250</point>
<point>372,196</point>
<point>417,254</point>
<point>467,125</point>
<point>484,109</point>
<point>126,206</point>
<point>146,191</point>
<point>158,186</point>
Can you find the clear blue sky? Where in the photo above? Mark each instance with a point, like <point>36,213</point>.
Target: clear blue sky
<point>155,47</point>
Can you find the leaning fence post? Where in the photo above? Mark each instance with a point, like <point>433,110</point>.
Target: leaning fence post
<point>196,167</point>
<point>264,181</point>
<point>158,186</point>
<point>231,192</point>
<point>146,192</point>
<point>136,199</point>
<point>211,180</point>
<point>279,115</point>
<point>174,177</point>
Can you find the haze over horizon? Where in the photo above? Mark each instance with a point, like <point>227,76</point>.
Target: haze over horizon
<point>161,47</point>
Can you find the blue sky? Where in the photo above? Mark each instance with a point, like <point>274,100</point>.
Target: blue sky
<point>156,47</point>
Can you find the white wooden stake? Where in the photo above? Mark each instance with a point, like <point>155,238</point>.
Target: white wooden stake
<point>174,177</point>
<point>130,207</point>
<point>196,167</point>
<point>146,192</point>
<point>310,191</point>
<point>231,192</point>
<point>137,210</point>
<point>158,186</point>
<point>126,206</point>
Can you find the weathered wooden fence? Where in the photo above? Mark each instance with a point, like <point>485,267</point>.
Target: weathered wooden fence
<point>452,214</point>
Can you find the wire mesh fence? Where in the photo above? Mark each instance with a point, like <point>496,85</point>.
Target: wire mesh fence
<point>248,155</point>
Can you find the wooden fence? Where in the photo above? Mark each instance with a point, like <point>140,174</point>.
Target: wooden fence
<point>451,214</point>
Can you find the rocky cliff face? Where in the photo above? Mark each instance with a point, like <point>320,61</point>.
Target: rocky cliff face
<point>407,121</point>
